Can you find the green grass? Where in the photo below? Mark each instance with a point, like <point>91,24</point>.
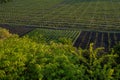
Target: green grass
<point>79,14</point>
<point>48,35</point>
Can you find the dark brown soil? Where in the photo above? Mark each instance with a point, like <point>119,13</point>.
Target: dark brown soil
<point>20,30</point>
<point>101,41</point>
<point>79,39</point>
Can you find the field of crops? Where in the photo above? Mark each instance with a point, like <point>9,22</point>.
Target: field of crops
<point>53,35</point>
<point>82,21</point>
<point>79,14</point>
<point>100,39</point>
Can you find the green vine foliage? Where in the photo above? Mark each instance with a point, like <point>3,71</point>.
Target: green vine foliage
<point>4,1</point>
<point>24,59</point>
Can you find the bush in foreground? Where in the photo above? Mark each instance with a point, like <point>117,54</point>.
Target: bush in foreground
<point>4,33</point>
<point>23,59</point>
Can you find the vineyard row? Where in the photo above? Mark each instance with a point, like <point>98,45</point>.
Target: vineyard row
<point>100,39</point>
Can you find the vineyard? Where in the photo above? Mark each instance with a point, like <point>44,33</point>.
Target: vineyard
<point>78,14</point>
<point>100,39</point>
<point>80,39</point>
<point>81,21</point>
<point>53,35</point>
<point>59,39</point>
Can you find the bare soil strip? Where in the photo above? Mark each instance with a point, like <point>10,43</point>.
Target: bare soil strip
<point>21,31</point>
<point>107,42</point>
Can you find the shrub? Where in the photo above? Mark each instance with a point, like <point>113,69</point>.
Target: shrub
<point>23,59</point>
<point>116,50</point>
<point>4,33</point>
